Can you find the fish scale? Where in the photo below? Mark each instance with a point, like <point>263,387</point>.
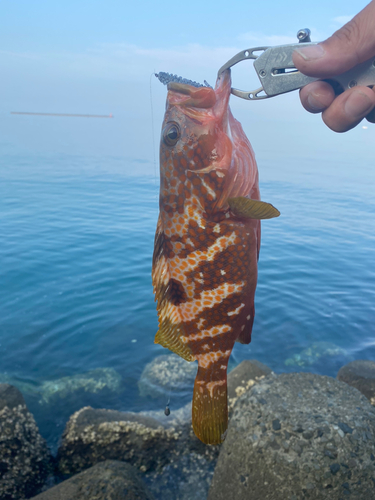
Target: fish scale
<point>207,242</point>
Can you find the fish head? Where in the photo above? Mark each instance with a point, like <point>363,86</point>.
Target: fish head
<point>201,144</point>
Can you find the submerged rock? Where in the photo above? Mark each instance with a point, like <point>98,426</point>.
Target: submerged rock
<point>24,458</point>
<point>297,436</point>
<point>167,374</point>
<point>26,387</point>
<point>312,354</point>
<point>361,375</point>
<point>109,480</point>
<point>93,381</point>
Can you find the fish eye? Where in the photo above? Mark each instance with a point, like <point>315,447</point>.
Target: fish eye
<point>171,134</point>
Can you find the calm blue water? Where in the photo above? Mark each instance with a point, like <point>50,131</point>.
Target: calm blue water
<point>77,234</point>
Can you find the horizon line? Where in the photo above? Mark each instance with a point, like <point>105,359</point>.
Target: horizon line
<point>60,114</point>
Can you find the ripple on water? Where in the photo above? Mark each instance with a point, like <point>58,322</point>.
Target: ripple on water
<point>76,288</point>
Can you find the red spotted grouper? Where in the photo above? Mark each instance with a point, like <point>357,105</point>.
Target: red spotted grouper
<point>207,242</point>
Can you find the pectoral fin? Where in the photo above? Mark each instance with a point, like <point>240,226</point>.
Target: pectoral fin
<point>252,209</point>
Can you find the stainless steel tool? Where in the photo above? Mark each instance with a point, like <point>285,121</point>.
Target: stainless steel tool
<point>277,73</point>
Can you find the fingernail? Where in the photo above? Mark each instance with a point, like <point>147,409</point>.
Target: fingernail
<point>311,52</point>
<point>358,104</point>
<point>314,103</point>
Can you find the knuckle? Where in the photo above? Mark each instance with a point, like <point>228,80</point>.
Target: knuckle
<point>349,33</point>
<point>350,36</point>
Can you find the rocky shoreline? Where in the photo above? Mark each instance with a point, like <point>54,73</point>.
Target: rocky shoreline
<point>291,436</point>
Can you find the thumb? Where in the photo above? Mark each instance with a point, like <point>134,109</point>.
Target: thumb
<point>352,44</point>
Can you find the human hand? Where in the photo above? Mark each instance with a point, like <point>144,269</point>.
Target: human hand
<point>353,44</point>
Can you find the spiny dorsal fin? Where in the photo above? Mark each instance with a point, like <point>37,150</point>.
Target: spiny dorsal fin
<point>252,209</point>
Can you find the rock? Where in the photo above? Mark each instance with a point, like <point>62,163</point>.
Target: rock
<point>26,387</point>
<point>173,460</point>
<point>243,377</point>
<point>278,437</point>
<point>24,458</point>
<point>109,480</point>
<point>361,375</point>
<point>91,436</point>
<point>167,374</point>
<point>312,354</point>
<point>186,477</point>
<point>93,381</point>
<point>176,464</point>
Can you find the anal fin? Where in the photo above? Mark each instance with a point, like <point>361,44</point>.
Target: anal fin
<point>168,336</point>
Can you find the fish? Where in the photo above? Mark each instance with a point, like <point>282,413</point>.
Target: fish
<point>207,242</point>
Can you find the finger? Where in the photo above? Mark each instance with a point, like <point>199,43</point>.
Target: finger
<point>349,108</point>
<point>317,96</point>
<point>371,116</point>
<point>347,47</point>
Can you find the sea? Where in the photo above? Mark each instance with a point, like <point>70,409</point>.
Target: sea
<point>77,229</point>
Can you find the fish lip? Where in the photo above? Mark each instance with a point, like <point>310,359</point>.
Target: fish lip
<point>223,79</point>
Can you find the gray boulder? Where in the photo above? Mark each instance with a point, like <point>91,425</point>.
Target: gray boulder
<point>109,480</point>
<point>361,375</point>
<point>297,436</point>
<point>174,462</point>
<point>24,458</point>
<point>167,374</point>
<point>92,436</point>
<point>243,377</point>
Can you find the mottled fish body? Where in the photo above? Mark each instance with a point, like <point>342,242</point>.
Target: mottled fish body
<point>207,242</point>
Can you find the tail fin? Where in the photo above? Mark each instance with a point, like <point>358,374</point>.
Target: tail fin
<point>210,407</point>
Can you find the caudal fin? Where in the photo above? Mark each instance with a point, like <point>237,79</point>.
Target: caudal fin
<point>210,408</point>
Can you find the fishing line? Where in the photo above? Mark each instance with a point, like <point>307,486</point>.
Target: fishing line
<point>153,127</point>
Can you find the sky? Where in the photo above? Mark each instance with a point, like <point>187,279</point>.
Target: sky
<point>98,57</point>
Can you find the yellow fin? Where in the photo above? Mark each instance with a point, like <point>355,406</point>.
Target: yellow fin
<point>169,332</point>
<point>252,209</point>
<point>210,409</point>
<point>168,336</point>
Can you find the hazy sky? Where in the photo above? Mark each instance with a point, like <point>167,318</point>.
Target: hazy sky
<point>98,57</point>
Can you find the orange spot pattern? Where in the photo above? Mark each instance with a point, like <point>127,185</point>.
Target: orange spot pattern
<point>207,252</point>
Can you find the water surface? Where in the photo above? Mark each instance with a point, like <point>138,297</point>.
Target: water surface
<point>77,234</point>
